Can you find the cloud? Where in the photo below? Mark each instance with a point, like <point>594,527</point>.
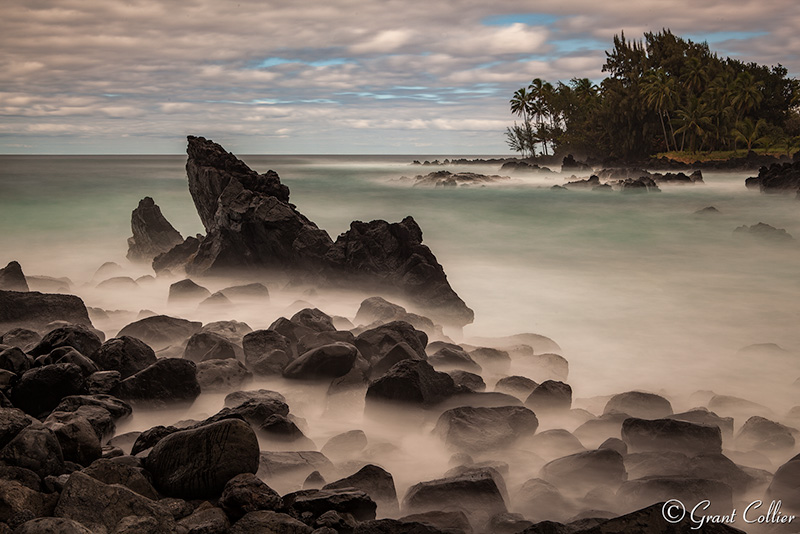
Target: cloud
<point>146,67</point>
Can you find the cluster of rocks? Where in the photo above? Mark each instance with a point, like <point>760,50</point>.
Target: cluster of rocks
<point>449,179</point>
<point>765,233</point>
<point>251,227</point>
<point>631,180</point>
<point>778,178</point>
<point>514,469</point>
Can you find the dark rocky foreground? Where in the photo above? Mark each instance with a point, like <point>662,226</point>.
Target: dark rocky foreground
<point>251,227</point>
<point>523,460</point>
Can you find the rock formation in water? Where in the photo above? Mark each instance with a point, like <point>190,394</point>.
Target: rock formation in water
<point>252,226</point>
<point>777,178</point>
<point>449,179</point>
<point>152,233</point>
<point>12,278</point>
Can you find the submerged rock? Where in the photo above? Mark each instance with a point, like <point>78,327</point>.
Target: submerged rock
<point>125,354</point>
<point>484,429</point>
<point>168,380</point>
<point>671,435</point>
<point>152,233</point>
<point>414,382</point>
<point>765,233</point>
<point>639,404</point>
<point>36,310</point>
<point>160,331</point>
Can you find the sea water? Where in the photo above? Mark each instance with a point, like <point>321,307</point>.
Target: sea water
<point>638,290</point>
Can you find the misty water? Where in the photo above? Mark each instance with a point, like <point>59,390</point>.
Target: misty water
<point>638,291</point>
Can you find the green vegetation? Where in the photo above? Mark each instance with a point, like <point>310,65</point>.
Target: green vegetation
<point>662,94</point>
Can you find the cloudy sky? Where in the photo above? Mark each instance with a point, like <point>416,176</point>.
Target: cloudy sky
<point>343,76</point>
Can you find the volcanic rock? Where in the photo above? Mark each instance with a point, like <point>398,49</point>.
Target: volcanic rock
<point>187,290</point>
<point>222,375</point>
<point>670,435</point>
<point>21,338</point>
<point>245,493</point>
<point>198,463</point>
<point>152,233</point>
<point>125,354</point>
<point>592,468</point>
<point>251,226</point>
<point>639,404</point>
<point>414,382</point>
<point>550,396</point>
<point>481,429</point>
<point>12,278</point>
<point>375,482</point>
<point>160,331</point>
<point>41,389</point>
<point>76,336</point>
<point>269,521</point>
<point>204,346</point>
<point>168,380</point>
<point>328,361</point>
<point>177,257</point>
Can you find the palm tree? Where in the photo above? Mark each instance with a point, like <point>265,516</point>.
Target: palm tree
<point>659,92</point>
<point>747,94</point>
<point>695,120</point>
<point>520,104</point>
<point>695,76</point>
<point>749,131</point>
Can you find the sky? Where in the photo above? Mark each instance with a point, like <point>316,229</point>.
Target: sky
<point>343,76</point>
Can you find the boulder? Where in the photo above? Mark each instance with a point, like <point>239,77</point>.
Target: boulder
<point>411,382</point>
<point>266,352</point>
<point>112,471</point>
<point>375,482</point>
<point>376,343</point>
<point>168,380</point>
<point>518,386</point>
<point>255,410</point>
<point>70,355</point>
<point>204,346</point>
<point>779,178</point>
<point>197,463</point>
<point>467,380</point>
<point>247,292</point>
<point>18,502</point>
<point>36,310</point>
<point>328,361</point>
<point>554,443</point>
<point>345,444</point>
<point>269,521</point>
<point>245,493</point>
<point>539,500</point>
<point>318,339</point>
<point>314,503</point>
<point>600,467</point>
<point>448,359</point>
<point>401,351</point>
<point>762,434</point>
<point>206,520</point>
<point>300,464</point>
<point>76,435</point>
<point>495,360</point>
<point>21,338</point>
<point>475,493</point>
<point>83,496</point>
<point>12,421</point>
<point>484,429</point>
<point>550,396</point>
<point>639,404</point>
<point>187,290</point>
<point>737,407</point>
<point>764,233</point>
<point>35,447</point>
<point>670,435</point>
<point>281,429</point>
<point>702,416</point>
<point>76,336</point>
<point>161,331</point>
<point>125,354</point>
<point>261,395</point>
<point>15,360</point>
<point>378,309</point>
<point>39,390</point>
<point>152,233</point>
<point>117,408</point>
<point>12,278</point>
<point>785,484</point>
<point>51,525</point>
<point>222,375</point>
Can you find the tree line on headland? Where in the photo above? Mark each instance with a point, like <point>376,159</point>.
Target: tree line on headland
<point>662,94</point>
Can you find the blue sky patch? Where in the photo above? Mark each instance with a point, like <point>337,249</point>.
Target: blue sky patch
<point>531,19</point>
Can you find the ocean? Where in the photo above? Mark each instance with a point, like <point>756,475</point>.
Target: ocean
<point>638,290</point>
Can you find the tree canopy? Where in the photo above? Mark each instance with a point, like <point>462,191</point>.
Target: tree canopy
<point>662,93</point>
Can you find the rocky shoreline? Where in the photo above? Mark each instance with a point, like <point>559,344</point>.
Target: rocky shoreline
<point>418,431</point>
